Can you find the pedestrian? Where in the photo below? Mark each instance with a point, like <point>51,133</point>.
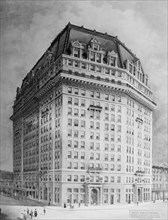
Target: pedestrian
<point>49,203</point>
<point>137,203</point>
<point>64,205</point>
<point>31,214</point>
<point>79,204</point>
<point>27,211</point>
<point>35,213</point>
<point>44,211</point>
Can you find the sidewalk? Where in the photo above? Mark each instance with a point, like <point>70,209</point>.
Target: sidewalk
<point>101,207</point>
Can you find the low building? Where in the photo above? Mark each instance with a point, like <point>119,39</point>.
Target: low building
<point>6,182</point>
<point>160,181</point>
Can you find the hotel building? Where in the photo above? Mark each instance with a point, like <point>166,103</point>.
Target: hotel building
<point>82,123</point>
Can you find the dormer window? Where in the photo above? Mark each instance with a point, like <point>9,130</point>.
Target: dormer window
<point>76,48</point>
<point>95,47</point>
<point>76,52</point>
<point>112,58</point>
<point>94,44</point>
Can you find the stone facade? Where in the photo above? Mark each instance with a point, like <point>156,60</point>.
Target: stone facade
<point>82,123</point>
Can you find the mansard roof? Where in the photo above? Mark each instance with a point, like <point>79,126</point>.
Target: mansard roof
<point>72,33</point>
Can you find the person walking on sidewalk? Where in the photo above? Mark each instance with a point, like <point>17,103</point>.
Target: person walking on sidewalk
<point>31,214</point>
<point>44,211</point>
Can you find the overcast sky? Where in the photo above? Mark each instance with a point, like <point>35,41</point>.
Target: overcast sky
<point>28,27</point>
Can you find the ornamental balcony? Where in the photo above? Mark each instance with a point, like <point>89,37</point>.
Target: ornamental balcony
<point>95,108</point>
<point>94,169</point>
<point>139,120</point>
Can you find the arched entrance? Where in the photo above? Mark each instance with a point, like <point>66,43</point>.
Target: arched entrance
<point>94,197</point>
<point>139,195</point>
<point>112,199</point>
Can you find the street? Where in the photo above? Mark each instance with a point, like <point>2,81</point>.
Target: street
<point>11,211</point>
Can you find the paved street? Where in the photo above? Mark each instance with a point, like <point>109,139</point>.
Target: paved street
<point>11,212</point>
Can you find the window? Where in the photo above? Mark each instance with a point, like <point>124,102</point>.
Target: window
<point>106,107</point>
<point>75,178</point>
<point>113,98</point>
<point>97,146</point>
<point>82,179</point>
<point>97,136</point>
<point>69,178</point>
<point>92,94</point>
<point>69,111</point>
<point>82,144</point>
<point>69,165</point>
<point>106,116</point>
<point>106,97</point>
<point>118,179</point>
<point>83,102</point>
<point>119,109</point>
<point>112,108</point>
<point>75,155</point>
<point>106,127</point>
<point>106,157</point>
<point>91,124</point>
<point>69,154</point>
<point>75,133</point>
<point>98,95</point>
<point>76,122</point>
<point>69,132</point>
<point>83,112</point>
<point>106,166</point>
<point>112,157</point>
<point>118,128</point>
<point>69,89</point>
<point>106,137</point>
<point>69,121</point>
<point>97,125</point>
<point>91,156</point>
<point>119,148</point>
<point>91,146</point>
<point>82,92</point>
<point>118,167</point>
<point>82,134</point>
<point>119,118</point>
<point>106,179</point>
<point>69,143</point>
<point>91,135</point>
<point>97,156</point>
<point>82,155</point>
<point>82,124</point>
<point>69,100</point>
<point>76,101</point>
<point>75,144</point>
<point>75,165</point>
<point>112,167</point>
<point>106,148</point>
<point>76,91</point>
<point>76,112</point>
<point>82,166</point>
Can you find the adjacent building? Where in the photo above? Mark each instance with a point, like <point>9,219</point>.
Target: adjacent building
<point>160,181</point>
<point>6,182</point>
<point>82,123</point>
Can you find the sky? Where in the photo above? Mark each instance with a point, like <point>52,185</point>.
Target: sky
<point>29,26</point>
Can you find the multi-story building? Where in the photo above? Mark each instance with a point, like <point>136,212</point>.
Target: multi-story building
<point>160,181</point>
<point>82,123</point>
<point>6,182</point>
